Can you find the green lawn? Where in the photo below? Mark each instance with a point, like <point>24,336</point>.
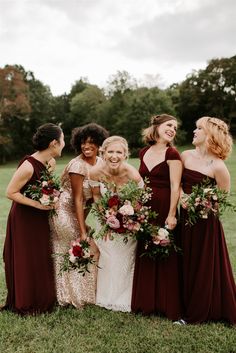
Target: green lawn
<point>96,330</point>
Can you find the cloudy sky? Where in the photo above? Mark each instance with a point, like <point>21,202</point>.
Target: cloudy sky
<point>154,40</point>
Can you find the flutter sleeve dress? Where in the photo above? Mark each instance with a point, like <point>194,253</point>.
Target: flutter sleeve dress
<point>72,287</point>
<point>156,286</point>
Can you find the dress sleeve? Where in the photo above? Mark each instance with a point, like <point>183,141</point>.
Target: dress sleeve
<point>78,167</point>
<point>172,154</point>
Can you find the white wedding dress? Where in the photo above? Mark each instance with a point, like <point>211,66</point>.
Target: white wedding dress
<point>115,272</point>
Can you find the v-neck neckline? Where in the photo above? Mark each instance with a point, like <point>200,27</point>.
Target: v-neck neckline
<point>150,170</point>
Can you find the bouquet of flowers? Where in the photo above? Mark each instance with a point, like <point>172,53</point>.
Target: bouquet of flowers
<point>78,257</point>
<point>47,190</point>
<point>123,212</point>
<point>158,242</point>
<point>205,199</point>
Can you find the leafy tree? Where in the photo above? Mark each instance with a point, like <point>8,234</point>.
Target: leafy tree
<point>84,105</point>
<point>209,92</point>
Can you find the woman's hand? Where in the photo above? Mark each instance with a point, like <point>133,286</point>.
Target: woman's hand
<point>171,222</point>
<point>42,207</point>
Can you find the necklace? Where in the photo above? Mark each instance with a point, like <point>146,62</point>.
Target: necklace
<point>206,162</point>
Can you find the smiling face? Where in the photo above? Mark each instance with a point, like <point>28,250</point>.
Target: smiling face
<point>89,149</point>
<point>114,155</point>
<point>167,131</point>
<point>199,135</point>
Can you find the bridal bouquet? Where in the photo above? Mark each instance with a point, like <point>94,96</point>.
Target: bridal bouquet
<point>123,212</point>
<point>78,257</point>
<point>47,190</point>
<point>205,199</point>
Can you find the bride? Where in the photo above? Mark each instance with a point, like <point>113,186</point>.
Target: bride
<point>116,262</point>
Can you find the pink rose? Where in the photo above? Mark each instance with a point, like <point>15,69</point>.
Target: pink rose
<point>113,222</point>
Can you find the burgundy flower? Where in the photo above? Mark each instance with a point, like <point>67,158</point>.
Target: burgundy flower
<point>121,229</point>
<point>47,190</point>
<point>77,251</point>
<point>113,201</point>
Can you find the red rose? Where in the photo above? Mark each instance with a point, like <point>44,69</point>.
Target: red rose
<point>113,201</point>
<point>47,190</point>
<point>77,251</point>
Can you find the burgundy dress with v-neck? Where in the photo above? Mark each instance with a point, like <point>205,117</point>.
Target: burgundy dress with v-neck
<point>209,290</point>
<point>28,255</point>
<point>156,282</point>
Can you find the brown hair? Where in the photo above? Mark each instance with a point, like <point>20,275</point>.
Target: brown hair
<point>219,140</point>
<point>150,134</point>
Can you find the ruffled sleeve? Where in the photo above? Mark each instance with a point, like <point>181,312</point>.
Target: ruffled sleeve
<point>78,166</point>
<point>172,154</point>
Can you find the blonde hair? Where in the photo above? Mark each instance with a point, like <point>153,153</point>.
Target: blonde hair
<point>150,134</point>
<point>115,139</point>
<point>219,141</point>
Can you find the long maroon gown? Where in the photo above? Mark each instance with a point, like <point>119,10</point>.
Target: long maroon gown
<point>209,291</point>
<point>156,282</point>
<point>27,256</point>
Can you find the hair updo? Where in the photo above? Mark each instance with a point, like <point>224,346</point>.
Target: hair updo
<point>44,135</point>
<point>219,140</point>
<point>150,135</point>
<point>93,132</point>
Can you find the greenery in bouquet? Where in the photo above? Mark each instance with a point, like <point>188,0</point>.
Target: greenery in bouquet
<point>205,199</point>
<point>78,257</point>
<point>47,190</point>
<point>158,242</point>
<point>123,212</point>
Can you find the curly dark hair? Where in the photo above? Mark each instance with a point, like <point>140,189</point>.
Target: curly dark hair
<point>94,132</point>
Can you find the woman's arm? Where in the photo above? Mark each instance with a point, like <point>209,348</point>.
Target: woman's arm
<point>222,176</point>
<point>175,168</point>
<point>21,176</point>
<point>77,192</point>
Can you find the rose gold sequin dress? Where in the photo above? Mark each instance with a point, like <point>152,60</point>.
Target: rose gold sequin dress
<point>72,287</point>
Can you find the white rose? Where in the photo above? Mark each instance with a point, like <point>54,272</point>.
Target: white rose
<point>72,258</point>
<point>45,200</point>
<point>126,210</point>
<point>163,233</point>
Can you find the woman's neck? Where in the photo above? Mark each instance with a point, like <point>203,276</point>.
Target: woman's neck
<point>202,152</point>
<point>90,160</point>
<point>159,146</point>
<point>43,156</point>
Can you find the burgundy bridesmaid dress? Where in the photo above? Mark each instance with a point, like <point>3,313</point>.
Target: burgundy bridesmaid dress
<point>209,291</point>
<point>156,287</point>
<point>27,256</point>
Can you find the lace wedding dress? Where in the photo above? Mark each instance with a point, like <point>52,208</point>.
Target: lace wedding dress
<point>116,270</point>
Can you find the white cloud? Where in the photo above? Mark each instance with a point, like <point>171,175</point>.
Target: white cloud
<point>61,41</point>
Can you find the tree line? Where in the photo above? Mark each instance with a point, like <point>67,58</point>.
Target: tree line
<point>123,107</point>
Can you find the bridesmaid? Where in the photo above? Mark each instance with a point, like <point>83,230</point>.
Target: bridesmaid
<point>27,250</point>
<point>74,206</point>
<point>209,290</point>
<point>156,282</point>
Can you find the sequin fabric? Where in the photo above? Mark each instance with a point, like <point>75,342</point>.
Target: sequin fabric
<point>71,287</point>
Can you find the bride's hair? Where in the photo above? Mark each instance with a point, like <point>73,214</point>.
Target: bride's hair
<point>115,139</point>
<point>219,140</point>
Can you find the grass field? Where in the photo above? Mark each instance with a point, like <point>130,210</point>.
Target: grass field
<point>97,330</point>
